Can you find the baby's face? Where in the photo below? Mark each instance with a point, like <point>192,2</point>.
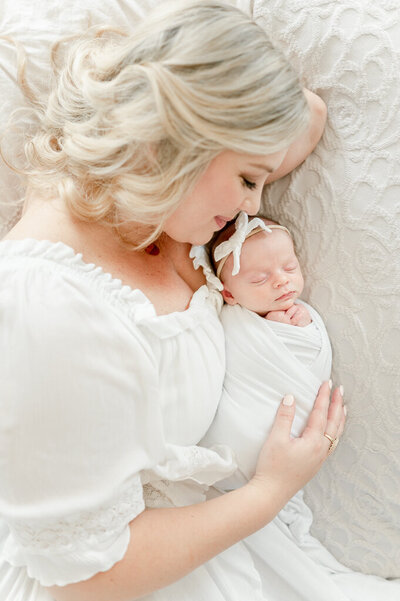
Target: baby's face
<point>270,277</point>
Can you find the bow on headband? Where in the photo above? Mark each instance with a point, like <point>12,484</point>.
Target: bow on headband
<point>244,228</point>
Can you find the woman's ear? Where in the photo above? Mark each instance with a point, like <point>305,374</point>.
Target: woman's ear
<point>228,298</point>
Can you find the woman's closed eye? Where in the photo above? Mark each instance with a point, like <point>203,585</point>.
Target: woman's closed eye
<point>249,184</point>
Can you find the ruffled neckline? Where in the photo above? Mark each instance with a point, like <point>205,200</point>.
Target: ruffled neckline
<point>135,301</point>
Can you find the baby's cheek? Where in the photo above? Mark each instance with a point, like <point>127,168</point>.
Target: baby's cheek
<point>300,284</point>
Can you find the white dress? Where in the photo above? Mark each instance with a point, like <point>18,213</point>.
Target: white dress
<point>102,404</point>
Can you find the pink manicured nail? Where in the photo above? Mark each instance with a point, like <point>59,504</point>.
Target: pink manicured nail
<point>330,384</point>
<point>288,400</point>
<point>341,390</point>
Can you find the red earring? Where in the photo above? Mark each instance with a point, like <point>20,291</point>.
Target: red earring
<point>152,249</point>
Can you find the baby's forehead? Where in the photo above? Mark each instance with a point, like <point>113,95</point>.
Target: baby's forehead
<point>258,250</point>
<point>273,243</point>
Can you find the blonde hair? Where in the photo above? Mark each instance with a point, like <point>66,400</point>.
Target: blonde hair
<point>134,120</point>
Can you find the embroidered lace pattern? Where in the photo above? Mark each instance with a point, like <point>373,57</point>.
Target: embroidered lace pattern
<point>342,207</point>
<point>85,530</point>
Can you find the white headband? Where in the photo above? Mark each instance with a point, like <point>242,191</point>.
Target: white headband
<point>244,229</point>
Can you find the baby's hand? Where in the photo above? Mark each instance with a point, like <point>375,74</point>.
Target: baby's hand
<point>280,316</point>
<point>296,315</point>
<point>299,316</point>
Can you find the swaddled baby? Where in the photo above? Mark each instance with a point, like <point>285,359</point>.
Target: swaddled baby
<point>275,343</point>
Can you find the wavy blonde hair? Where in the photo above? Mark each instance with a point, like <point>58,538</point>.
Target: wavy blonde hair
<point>133,120</point>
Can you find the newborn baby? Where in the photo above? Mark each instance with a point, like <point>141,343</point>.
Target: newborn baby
<point>275,343</point>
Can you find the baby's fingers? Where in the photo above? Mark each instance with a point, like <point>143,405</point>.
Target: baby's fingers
<point>291,311</point>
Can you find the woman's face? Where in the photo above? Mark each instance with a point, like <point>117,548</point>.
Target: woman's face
<point>232,182</point>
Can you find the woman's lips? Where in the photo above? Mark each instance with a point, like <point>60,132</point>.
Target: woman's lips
<point>286,296</point>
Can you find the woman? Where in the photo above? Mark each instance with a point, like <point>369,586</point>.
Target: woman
<point>114,353</point>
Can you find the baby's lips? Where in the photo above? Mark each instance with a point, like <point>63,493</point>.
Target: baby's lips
<point>287,294</point>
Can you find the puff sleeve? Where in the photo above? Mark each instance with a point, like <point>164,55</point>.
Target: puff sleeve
<point>79,422</point>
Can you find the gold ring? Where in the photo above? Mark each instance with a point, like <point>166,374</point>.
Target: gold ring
<point>334,443</point>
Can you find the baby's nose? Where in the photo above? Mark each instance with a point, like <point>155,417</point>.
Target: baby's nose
<point>280,280</point>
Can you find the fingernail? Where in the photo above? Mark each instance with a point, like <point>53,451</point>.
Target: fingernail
<point>288,400</point>
<point>330,384</point>
<point>345,410</point>
<point>341,390</point>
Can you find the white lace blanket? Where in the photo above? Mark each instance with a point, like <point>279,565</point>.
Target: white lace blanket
<point>265,360</point>
<point>342,207</point>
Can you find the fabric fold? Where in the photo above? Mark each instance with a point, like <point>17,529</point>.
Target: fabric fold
<point>264,361</point>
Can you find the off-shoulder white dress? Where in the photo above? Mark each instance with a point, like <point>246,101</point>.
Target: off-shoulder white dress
<point>102,404</point>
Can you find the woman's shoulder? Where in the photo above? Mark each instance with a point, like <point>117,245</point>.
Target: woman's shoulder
<point>47,287</point>
<point>62,318</point>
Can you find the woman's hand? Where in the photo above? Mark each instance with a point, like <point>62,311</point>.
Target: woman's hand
<point>286,464</point>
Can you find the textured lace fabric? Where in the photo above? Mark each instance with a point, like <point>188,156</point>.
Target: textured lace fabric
<point>89,527</point>
<point>342,206</point>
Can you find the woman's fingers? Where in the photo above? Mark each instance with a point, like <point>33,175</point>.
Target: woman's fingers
<point>326,421</point>
<point>327,417</point>
<point>341,426</point>
<point>335,414</point>
<point>284,417</point>
<point>343,412</point>
<point>292,461</point>
<point>318,416</point>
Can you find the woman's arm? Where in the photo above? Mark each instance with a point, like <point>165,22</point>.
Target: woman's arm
<point>303,146</point>
<point>166,544</point>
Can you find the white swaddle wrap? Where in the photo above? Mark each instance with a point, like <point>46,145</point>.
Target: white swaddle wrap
<point>264,361</point>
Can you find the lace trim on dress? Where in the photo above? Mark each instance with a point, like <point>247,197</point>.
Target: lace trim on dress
<point>200,464</point>
<point>88,529</point>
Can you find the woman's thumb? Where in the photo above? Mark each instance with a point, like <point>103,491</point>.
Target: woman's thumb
<point>285,415</point>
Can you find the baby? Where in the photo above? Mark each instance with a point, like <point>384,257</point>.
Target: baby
<point>275,343</point>
<point>270,279</point>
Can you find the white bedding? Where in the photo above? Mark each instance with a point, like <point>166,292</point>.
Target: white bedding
<point>343,207</point>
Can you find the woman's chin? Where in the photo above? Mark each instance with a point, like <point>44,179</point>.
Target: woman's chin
<point>200,240</point>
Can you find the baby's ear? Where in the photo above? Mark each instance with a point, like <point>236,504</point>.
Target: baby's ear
<point>228,298</point>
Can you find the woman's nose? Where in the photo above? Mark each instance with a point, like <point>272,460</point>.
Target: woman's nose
<point>251,205</point>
